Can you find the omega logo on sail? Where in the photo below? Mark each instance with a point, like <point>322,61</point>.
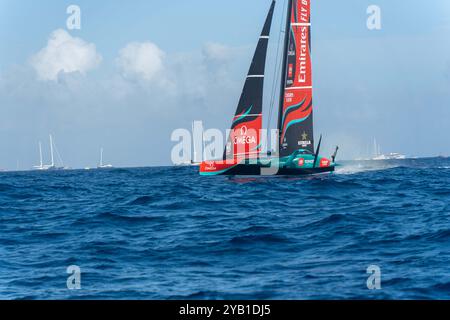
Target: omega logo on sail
<point>244,138</point>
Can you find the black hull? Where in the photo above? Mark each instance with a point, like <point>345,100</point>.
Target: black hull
<point>255,170</point>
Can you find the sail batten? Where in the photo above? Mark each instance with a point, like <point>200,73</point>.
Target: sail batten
<point>246,126</point>
<point>295,123</point>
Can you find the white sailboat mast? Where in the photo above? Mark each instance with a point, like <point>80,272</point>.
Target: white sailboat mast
<point>195,143</point>
<point>203,147</point>
<point>40,155</point>
<point>51,151</point>
<point>375,147</point>
<point>101,157</point>
<point>199,145</point>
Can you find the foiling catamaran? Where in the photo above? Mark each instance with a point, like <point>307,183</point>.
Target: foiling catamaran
<point>296,153</point>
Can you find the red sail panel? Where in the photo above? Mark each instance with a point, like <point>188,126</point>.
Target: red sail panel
<point>245,137</point>
<point>295,121</point>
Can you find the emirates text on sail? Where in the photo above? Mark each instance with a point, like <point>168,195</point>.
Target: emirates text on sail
<point>304,17</point>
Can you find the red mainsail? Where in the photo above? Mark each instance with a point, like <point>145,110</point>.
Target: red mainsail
<point>296,111</point>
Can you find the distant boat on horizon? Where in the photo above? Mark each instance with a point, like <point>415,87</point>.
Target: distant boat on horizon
<point>378,155</point>
<point>51,166</point>
<point>101,165</point>
<point>390,156</point>
<point>195,162</point>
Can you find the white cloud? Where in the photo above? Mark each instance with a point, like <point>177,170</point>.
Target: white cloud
<point>141,60</point>
<point>217,52</point>
<point>66,54</point>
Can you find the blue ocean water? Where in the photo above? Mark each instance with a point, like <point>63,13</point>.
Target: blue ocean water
<point>167,233</point>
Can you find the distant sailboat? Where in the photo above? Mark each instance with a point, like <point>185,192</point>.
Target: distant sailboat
<point>296,154</point>
<point>390,156</point>
<point>52,165</point>
<point>378,155</point>
<point>41,164</point>
<point>195,161</point>
<point>101,165</point>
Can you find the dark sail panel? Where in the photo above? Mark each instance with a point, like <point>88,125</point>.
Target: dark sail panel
<point>296,106</point>
<point>245,138</point>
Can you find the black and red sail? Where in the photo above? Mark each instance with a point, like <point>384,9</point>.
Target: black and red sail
<point>296,106</point>
<point>244,141</point>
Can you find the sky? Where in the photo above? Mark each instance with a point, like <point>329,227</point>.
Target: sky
<point>138,70</point>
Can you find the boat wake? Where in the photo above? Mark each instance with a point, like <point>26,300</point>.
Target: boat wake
<point>355,168</point>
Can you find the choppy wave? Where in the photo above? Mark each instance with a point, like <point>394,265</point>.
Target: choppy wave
<point>167,233</point>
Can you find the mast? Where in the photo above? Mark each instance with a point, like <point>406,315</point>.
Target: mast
<point>40,155</point>
<point>203,147</point>
<point>101,157</point>
<point>194,158</point>
<point>287,35</point>
<point>51,151</point>
<point>375,147</point>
